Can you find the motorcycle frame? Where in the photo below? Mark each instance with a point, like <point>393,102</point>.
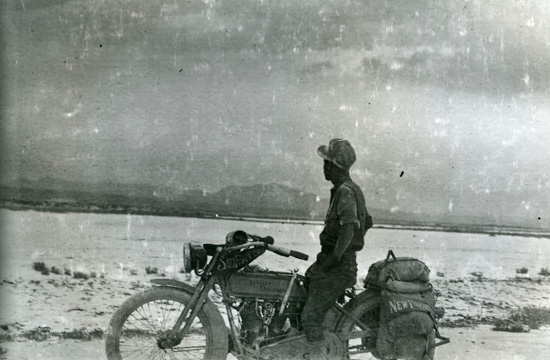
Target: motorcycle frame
<point>209,277</point>
<point>200,295</point>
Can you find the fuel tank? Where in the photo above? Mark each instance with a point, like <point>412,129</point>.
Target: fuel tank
<point>266,285</point>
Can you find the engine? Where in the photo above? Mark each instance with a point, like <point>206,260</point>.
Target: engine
<point>261,296</point>
<point>261,319</point>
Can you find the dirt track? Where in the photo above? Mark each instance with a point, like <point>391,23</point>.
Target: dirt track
<point>479,343</point>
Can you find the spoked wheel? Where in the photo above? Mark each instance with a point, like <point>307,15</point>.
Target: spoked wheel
<point>368,311</point>
<point>140,329</point>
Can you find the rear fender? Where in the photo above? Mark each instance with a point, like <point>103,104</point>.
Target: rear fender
<point>353,305</point>
<point>362,297</point>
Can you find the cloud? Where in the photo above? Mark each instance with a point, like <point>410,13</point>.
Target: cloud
<point>35,5</point>
<point>450,45</point>
<point>223,92</point>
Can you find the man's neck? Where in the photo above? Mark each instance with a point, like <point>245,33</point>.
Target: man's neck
<point>339,179</point>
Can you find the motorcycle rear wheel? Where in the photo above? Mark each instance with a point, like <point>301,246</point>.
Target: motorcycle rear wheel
<point>368,312</point>
<point>142,320</point>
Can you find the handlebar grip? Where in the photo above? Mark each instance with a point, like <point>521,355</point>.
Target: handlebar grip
<point>286,252</point>
<point>278,250</point>
<point>267,240</point>
<point>299,255</point>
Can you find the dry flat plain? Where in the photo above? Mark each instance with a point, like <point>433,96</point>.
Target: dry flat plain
<point>58,316</point>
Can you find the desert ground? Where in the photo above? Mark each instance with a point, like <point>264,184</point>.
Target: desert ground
<point>59,316</point>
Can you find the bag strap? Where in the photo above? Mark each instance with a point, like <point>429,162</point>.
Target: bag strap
<point>390,253</point>
<point>436,328</point>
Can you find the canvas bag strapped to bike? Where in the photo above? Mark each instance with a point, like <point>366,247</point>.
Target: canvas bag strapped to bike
<point>399,274</point>
<point>407,324</point>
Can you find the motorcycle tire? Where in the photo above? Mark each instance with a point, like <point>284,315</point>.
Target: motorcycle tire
<point>139,323</point>
<point>368,311</point>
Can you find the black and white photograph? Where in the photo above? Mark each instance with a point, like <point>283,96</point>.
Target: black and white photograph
<point>275,180</point>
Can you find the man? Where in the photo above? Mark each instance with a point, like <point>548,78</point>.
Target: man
<point>346,223</point>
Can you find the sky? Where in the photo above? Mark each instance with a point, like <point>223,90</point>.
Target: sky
<point>446,102</point>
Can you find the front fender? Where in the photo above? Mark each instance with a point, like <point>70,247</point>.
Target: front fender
<point>175,284</point>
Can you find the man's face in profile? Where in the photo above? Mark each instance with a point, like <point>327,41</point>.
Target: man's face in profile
<point>327,165</point>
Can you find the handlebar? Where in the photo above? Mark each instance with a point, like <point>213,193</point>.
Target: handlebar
<point>286,252</point>
<point>267,240</point>
<point>276,249</point>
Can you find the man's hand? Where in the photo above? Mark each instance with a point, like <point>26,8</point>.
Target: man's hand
<point>344,239</point>
<point>330,262</point>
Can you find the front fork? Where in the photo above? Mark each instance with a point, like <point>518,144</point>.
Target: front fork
<point>176,335</point>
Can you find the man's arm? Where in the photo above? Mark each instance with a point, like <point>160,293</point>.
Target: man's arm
<point>347,214</point>
<point>345,235</point>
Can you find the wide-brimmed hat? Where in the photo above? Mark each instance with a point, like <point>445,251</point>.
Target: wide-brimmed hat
<point>339,152</point>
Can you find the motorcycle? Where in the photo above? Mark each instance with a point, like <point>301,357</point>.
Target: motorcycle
<point>174,320</point>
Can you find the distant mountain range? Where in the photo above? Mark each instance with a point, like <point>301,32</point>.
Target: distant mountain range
<point>267,201</point>
<point>264,201</point>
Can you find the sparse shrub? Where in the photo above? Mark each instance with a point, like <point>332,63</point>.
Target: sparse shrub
<point>509,326</point>
<point>133,272</point>
<point>478,276</point>
<point>544,272</point>
<point>93,275</point>
<point>40,267</point>
<point>45,333</point>
<point>150,270</point>
<point>55,270</point>
<point>37,334</point>
<point>82,334</point>
<point>466,321</point>
<point>440,274</point>
<point>524,319</point>
<point>522,270</point>
<point>80,275</point>
<point>532,316</point>
<point>68,272</point>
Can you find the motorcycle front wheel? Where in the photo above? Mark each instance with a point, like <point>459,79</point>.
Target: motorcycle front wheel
<point>142,321</point>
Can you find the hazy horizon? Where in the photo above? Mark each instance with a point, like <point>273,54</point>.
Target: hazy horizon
<point>206,94</point>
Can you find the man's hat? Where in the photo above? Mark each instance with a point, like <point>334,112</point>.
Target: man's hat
<point>339,152</point>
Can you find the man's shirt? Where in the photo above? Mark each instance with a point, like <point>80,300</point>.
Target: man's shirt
<point>347,206</point>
